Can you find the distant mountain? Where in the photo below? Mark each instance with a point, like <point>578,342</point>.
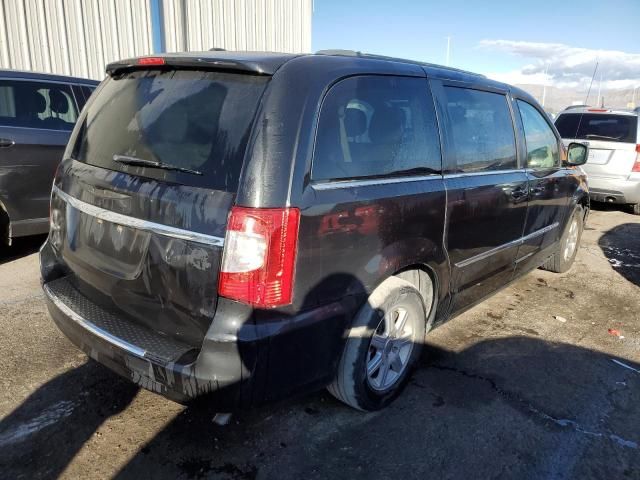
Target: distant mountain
<point>557,99</point>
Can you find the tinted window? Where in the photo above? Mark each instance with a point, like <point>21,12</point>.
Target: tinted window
<point>37,105</point>
<point>596,126</point>
<point>479,130</point>
<point>189,119</point>
<point>372,126</point>
<point>87,92</point>
<point>542,144</point>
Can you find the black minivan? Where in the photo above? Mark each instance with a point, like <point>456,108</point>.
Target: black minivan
<point>248,226</point>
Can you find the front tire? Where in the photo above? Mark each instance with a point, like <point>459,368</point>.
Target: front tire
<point>563,258</point>
<point>382,347</point>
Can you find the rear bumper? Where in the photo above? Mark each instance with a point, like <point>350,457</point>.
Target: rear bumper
<point>231,370</point>
<point>150,360</point>
<point>613,190</point>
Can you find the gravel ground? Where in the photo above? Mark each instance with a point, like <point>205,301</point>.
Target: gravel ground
<point>530,384</point>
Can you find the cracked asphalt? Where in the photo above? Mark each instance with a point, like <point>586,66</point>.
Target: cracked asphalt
<point>540,381</point>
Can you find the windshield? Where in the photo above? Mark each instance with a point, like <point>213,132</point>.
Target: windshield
<point>595,126</point>
<point>190,120</point>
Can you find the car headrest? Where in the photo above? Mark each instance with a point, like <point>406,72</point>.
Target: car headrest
<point>355,122</point>
<point>59,103</point>
<point>387,124</point>
<point>33,103</point>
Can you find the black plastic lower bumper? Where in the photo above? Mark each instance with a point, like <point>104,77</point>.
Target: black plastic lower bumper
<point>242,361</point>
<point>150,360</point>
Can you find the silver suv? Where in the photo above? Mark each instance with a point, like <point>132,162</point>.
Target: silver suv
<point>613,166</point>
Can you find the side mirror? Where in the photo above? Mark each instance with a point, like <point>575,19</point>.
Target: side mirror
<point>577,154</point>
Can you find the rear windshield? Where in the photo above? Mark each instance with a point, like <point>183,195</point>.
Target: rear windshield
<point>189,119</point>
<point>596,126</point>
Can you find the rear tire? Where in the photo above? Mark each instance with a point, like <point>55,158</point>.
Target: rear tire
<point>562,260</point>
<point>382,347</point>
<point>5,241</point>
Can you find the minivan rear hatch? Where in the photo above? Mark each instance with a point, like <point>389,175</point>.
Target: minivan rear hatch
<point>140,207</point>
<point>612,139</point>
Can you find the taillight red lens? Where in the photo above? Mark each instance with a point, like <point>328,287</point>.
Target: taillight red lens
<point>259,256</point>
<point>151,61</point>
<point>636,166</point>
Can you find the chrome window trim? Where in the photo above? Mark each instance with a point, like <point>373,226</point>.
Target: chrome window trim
<point>513,243</point>
<point>333,184</point>
<point>41,129</point>
<point>94,329</point>
<point>484,172</point>
<point>39,80</point>
<point>145,225</point>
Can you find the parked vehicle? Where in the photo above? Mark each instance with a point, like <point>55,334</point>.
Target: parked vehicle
<point>252,226</point>
<point>37,113</point>
<point>613,137</point>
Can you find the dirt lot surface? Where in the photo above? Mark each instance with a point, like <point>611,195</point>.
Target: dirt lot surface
<point>540,381</point>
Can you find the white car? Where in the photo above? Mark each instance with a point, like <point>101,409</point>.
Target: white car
<point>613,137</point>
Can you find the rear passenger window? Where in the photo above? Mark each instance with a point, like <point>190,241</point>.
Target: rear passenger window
<point>479,130</point>
<point>542,144</point>
<point>375,126</point>
<point>37,105</point>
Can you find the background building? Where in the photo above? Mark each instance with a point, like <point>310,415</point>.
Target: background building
<point>79,37</point>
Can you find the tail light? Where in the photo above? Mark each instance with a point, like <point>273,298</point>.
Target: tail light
<point>259,256</point>
<point>636,165</point>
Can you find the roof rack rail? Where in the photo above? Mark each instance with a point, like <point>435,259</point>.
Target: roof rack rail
<point>217,49</point>
<point>571,107</point>
<point>373,56</point>
<point>338,51</point>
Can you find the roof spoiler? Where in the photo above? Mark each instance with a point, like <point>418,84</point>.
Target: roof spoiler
<point>168,62</point>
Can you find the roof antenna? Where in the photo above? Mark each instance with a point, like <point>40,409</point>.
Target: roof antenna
<point>586,101</point>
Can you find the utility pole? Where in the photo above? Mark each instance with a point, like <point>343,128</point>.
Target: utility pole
<point>599,90</point>
<point>448,50</point>
<point>544,85</point>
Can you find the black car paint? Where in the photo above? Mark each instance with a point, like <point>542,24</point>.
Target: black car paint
<point>29,158</point>
<point>463,230</point>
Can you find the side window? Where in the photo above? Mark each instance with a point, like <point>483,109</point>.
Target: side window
<point>81,99</point>
<point>479,130</point>
<point>87,92</point>
<point>373,126</point>
<point>542,144</point>
<point>37,105</point>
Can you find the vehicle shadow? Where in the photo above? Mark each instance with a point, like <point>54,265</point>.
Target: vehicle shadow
<point>621,246</point>
<point>514,407</point>
<point>610,207</point>
<point>21,247</point>
<point>49,428</point>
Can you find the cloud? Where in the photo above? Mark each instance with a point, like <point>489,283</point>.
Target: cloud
<point>562,65</point>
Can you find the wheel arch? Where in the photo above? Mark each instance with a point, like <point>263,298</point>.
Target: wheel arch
<point>424,278</point>
<point>5,230</point>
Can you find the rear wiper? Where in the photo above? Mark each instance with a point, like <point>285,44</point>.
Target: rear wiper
<point>594,135</point>
<point>141,162</point>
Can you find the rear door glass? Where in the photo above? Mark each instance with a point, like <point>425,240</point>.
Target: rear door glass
<point>479,130</point>
<point>598,126</point>
<point>40,105</point>
<point>372,126</point>
<point>197,120</point>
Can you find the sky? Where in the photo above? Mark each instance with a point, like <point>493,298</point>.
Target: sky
<point>552,42</point>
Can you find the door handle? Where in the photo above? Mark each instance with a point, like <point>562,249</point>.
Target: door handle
<point>518,193</point>
<point>6,143</point>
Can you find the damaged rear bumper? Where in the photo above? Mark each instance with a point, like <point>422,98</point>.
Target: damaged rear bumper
<point>154,362</point>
